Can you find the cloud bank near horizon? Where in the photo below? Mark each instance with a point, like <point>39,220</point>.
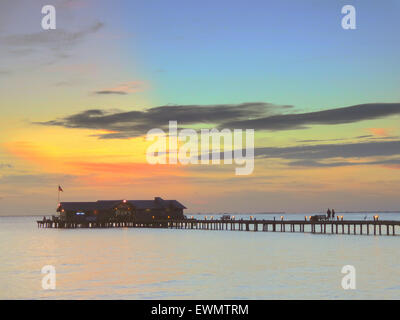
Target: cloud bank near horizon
<point>336,155</point>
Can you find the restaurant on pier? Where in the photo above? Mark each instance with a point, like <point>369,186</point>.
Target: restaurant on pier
<point>104,210</point>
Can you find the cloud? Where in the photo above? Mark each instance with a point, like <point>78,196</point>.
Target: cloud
<point>320,140</point>
<point>325,117</point>
<point>250,115</point>
<point>136,123</point>
<point>318,164</point>
<point>57,44</point>
<point>64,83</point>
<point>327,151</point>
<point>55,39</point>
<point>35,179</point>
<point>110,92</point>
<point>124,168</point>
<point>124,88</point>
<point>6,166</point>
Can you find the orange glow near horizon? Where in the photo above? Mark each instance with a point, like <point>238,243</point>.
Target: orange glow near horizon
<point>92,168</point>
<point>381,132</point>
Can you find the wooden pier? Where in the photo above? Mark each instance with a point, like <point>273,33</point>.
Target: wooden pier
<point>360,227</point>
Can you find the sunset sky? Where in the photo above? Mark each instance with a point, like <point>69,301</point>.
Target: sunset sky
<point>77,102</point>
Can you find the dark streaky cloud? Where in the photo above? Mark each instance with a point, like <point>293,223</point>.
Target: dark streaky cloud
<point>252,115</point>
<point>326,117</point>
<point>109,92</point>
<point>327,151</point>
<point>319,164</point>
<point>136,123</point>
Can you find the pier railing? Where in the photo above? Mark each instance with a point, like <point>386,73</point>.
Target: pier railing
<point>367,227</point>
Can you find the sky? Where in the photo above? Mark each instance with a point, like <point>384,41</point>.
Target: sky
<point>76,102</point>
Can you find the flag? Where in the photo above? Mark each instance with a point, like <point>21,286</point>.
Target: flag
<point>60,189</point>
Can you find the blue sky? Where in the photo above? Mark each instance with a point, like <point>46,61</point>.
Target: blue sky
<point>224,51</point>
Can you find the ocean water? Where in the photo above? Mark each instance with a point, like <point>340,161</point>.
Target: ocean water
<point>195,264</point>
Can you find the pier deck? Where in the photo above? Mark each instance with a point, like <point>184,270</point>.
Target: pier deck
<point>360,227</point>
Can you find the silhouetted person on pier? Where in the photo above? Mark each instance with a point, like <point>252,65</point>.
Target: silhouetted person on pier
<point>44,219</point>
<point>333,213</point>
<point>328,213</point>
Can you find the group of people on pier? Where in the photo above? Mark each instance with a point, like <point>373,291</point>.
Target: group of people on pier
<point>330,214</point>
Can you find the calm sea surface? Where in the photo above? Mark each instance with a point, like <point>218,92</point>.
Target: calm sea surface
<point>195,264</point>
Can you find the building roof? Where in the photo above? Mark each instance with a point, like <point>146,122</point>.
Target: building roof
<point>157,203</point>
<point>78,206</point>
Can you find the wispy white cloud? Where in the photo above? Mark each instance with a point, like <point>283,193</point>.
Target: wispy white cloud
<point>124,88</point>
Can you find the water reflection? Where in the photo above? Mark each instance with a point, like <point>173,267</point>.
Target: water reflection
<point>192,264</point>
